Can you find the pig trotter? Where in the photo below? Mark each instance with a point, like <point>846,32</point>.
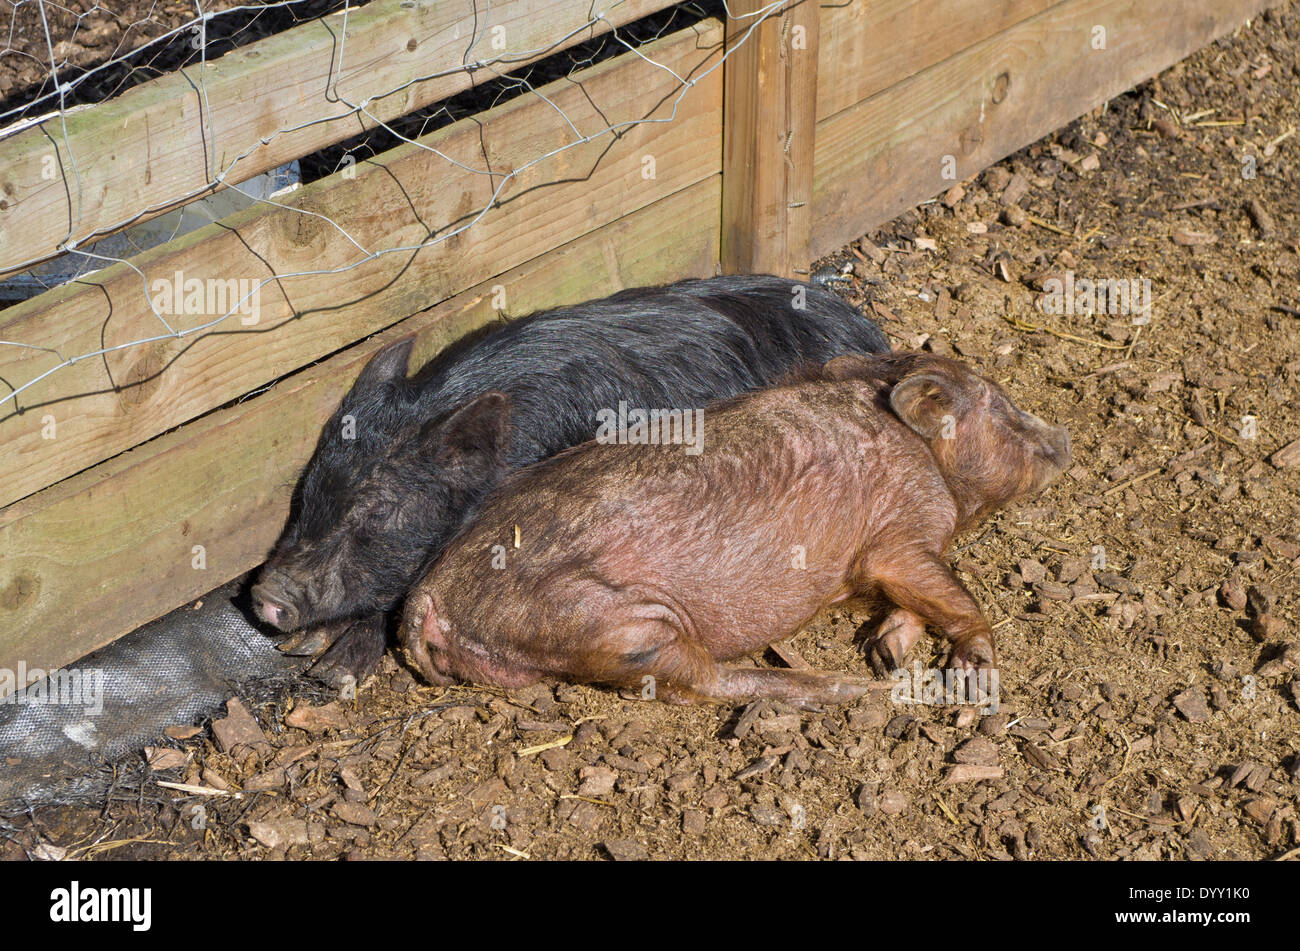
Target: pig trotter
<point>682,671</point>
<point>801,688</point>
<point>897,634</point>
<point>973,652</point>
<point>312,641</point>
<point>927,588</point>
<point>354,654</point>
<point>807,690</point>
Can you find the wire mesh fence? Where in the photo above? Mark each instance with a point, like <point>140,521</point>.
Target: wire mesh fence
<point>58,60</point>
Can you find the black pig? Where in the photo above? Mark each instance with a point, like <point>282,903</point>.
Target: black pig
<point>372,510</point>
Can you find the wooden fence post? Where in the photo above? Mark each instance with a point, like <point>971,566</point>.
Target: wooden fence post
<point>769,124</point>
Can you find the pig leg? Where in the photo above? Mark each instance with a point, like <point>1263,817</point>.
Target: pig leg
<point>802,688</point>
<point>897,635</point>
<point>927,588</point>
<point>682,671</point>
<point>684,676</point>
<point>312,641</point>
<point>350,647</point>
<point>355,654</point>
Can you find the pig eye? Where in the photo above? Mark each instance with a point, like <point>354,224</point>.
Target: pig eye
<point>381,516</point>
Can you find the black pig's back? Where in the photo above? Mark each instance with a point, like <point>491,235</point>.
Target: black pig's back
<point>680,346</point>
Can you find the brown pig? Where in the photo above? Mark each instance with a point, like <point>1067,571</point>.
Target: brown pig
<point>634,564</point>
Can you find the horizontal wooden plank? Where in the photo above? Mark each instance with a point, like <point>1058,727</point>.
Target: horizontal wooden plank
<point>886,154</point>
<point>104,406</point>
<point>112,548</point>
<point>169,140</point>
<point>868,47</point>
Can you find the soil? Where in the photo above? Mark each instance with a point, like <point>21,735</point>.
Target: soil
<point>1145,605</point>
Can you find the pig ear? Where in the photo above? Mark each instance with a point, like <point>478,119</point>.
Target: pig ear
<point>478,431</point>
<point>922,400</point>
<point>847,366</point>
<point>388,364</point>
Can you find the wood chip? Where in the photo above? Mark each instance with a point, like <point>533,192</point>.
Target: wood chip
<point>892,802</point>
<point>164,757</point>
<point>280,833</point>
<point>971,773</point>
<point>1259,215</point>
<point>597,781</point>
<point>1288,456</point>
<point>757,768</point>
<point>433,776</point>
<point>996,178</point>
<point>747,717</point>
<point>977,751</point>
<point>330,716</point>
<point>265,781</point>
<point>1039,757</point>
<point>870,250</point>
<point>1240,773</point>
<point>1017,188</point>
<point>1167,129</point>
<point>782,723</point>
<point>1233,594</point>
<point>625,850</point>
<point>789,656</point>
<point>354,813</point>
<point>544,726</point>
<point>1191,704</point>
<point>1260,808</point>
<point>238,729</point>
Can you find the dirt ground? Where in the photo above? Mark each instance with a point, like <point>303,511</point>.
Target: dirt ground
<point>1145,606</point>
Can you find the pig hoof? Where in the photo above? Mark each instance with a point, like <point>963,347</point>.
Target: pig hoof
<point>354,655</point>
<point>973,653</point>
<point>338,668</point>
<point>306,643</point>
<point>897,634</point>
<point>881,654</point>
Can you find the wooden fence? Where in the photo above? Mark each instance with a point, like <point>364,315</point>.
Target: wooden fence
<point>136,480</point>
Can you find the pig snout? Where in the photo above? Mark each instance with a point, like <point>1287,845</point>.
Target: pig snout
<point>421,626</point>
<point>1060,447</point>
<point>275,602</point>
<point>1053,443</point>
<point>414,640</point>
